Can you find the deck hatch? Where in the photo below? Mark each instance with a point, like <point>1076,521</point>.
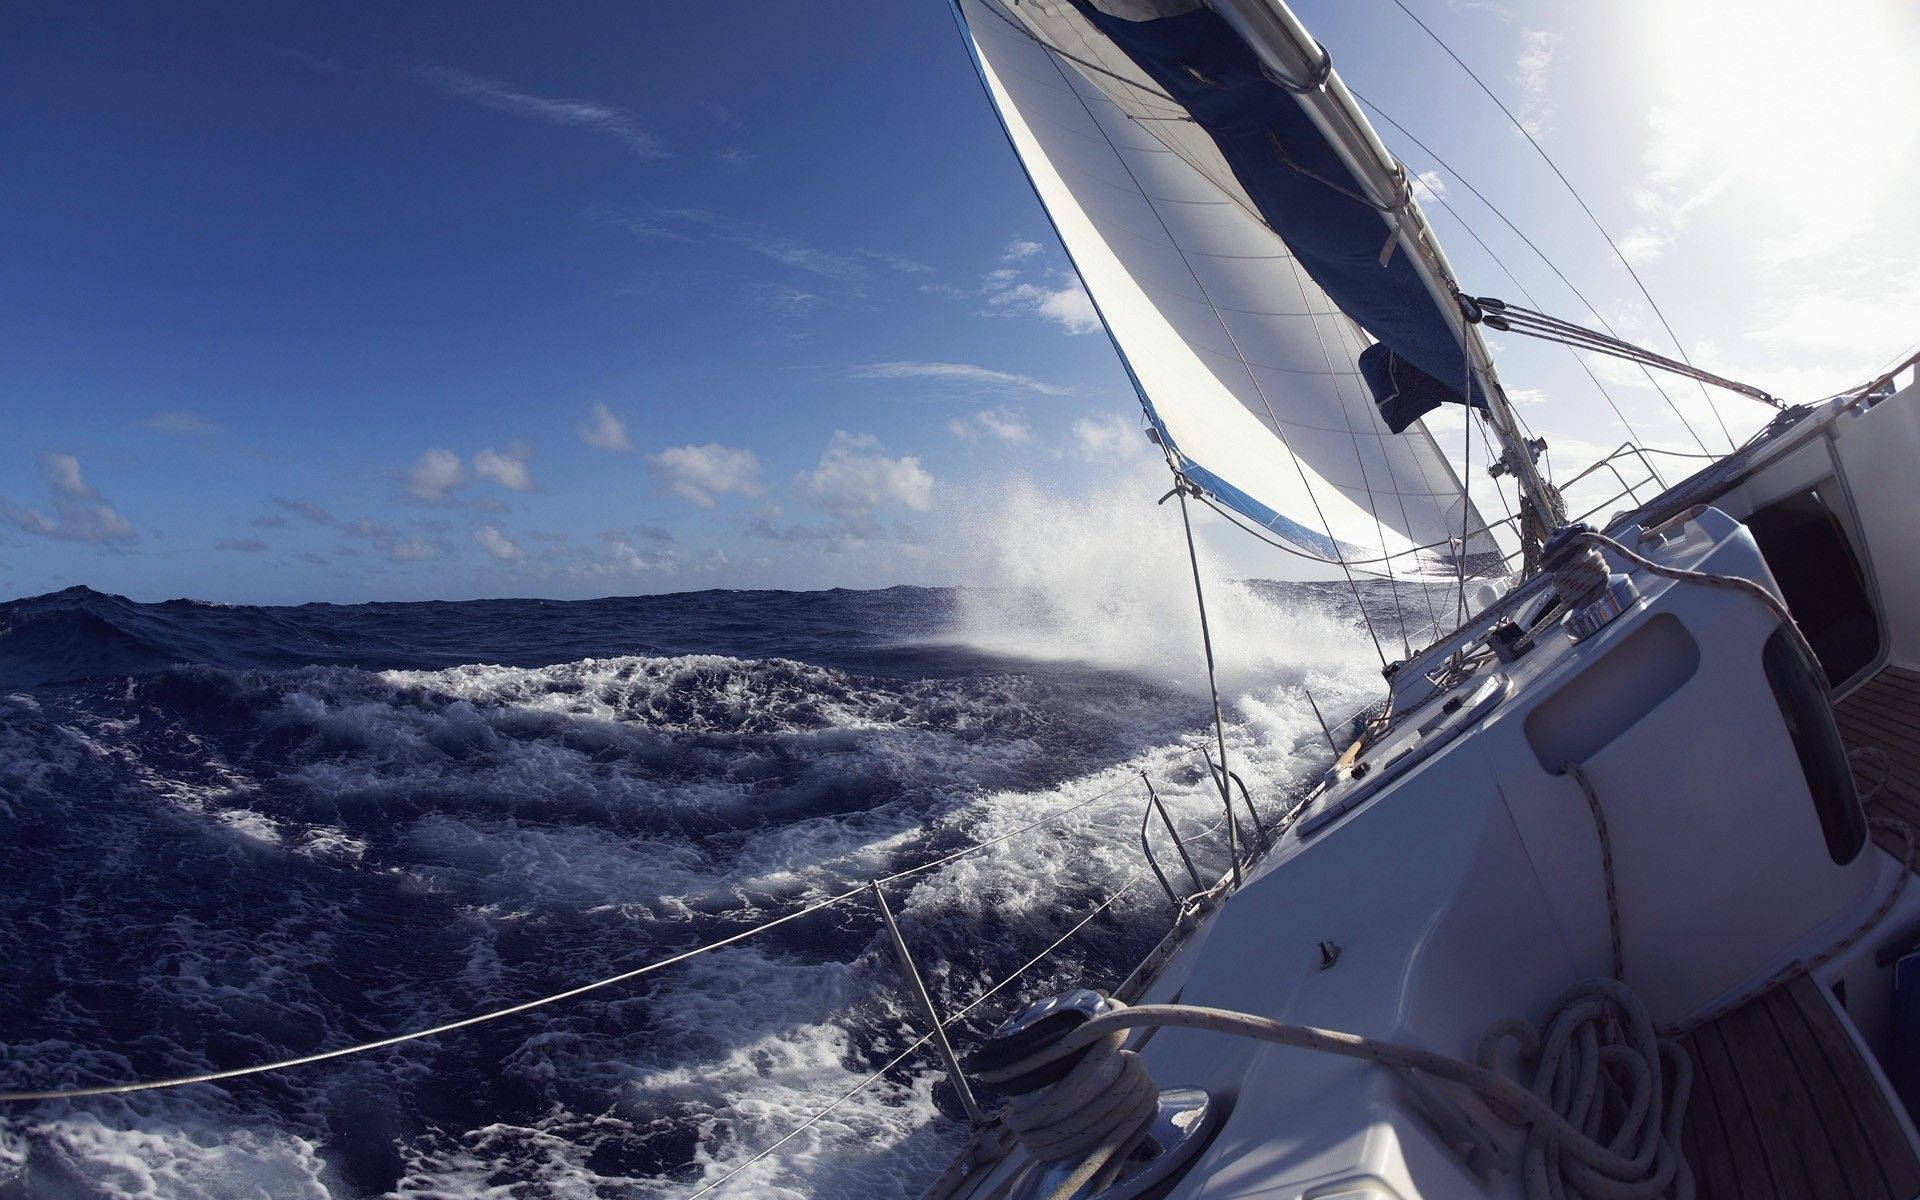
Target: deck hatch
<point>1802,696</point>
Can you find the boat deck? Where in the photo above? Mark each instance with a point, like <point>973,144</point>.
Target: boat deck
<point>1884,714</point>
<point>1784,1103</point>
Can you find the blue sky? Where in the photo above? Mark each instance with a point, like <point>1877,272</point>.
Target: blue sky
<point>391,302</point>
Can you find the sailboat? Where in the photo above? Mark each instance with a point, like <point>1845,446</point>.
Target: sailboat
<point>1610,897</point>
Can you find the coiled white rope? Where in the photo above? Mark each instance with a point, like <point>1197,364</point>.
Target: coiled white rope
<point>1093,1114</point>
<point>1602,1107</point>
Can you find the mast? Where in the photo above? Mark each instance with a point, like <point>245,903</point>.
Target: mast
<point>1302,66</point>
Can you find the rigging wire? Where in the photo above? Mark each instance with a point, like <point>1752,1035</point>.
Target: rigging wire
<point>1538,253</point>
<point>570,993</point>
<point>1359,460</point>
<point>1578,199</point>
<point>1218,316</point>
<point>1213,685</point>
<point>1528,297</point>
<point>1359,564</point>
<point>923,1040</point>
<point>1466,494</point>
<point>1512,318</point>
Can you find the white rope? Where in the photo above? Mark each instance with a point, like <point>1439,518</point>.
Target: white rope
<point>1602,1108</point>
<point>1737,583</point>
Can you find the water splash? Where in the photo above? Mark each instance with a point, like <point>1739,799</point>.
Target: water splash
<point>1103,578</point>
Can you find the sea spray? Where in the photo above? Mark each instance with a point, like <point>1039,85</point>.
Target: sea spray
<point>1103,578</point>
<point>327,824</point>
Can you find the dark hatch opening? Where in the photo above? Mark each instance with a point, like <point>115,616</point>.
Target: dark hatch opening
<point>1821,579</point>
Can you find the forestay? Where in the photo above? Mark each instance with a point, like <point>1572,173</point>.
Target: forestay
<point>1248,372</point>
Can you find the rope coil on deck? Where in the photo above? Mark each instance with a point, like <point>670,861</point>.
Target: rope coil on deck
<point>1602,1104</point>
<point>1093,1113</point>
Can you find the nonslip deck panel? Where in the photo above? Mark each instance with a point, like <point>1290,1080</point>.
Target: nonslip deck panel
<point>1784,1104</point>
<point>1884,714</point>
<point>1785,1107</point>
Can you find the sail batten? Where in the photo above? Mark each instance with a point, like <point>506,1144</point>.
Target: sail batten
<point>1251,375</point>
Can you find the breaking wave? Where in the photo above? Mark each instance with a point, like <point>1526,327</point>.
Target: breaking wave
<point>237,834</point>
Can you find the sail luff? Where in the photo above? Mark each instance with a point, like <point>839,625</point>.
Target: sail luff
<point>1246,366</point>
<point>1274,33</point>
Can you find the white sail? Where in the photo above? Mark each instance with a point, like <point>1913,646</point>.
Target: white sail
<point>1246,368</point>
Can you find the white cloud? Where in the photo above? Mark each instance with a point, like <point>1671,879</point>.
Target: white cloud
<point>1067,305</point>
<point>955,373</point>
<point>509,470</point>
<point>435,474</point>
<point>1107,436</point>
<point>581,114</point>
<point>604,429</point>
<point>700,474</point>
<point>1020,249</point>
<point>854,478</point>
<point>62,473</point>
<point>994,423</point>
<point>1533,70</point>
<point>497,544</point>
<point>181,422</point>
<point>79,512</point>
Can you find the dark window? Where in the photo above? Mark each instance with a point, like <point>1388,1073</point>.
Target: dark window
<point>1809,716</point>
<point>1821,580</point>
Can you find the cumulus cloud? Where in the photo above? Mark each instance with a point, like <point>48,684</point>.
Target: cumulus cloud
<point>434,475</point>
<point>1533,71</point>
<point>624,557</point>
<point>952,372</point>
<point>604,430</point>
<point>1020,249</point>
<point>79,513</point>
<point>497,544</point>
<point>1066,303</point>
<point>580,114</point>
<point>854,477</point>
<point>1106,436</point>
<point>1430,186</point>
<point>181,422</point>
<point>509,470</point>
<point>997,423</point>
<point>701,474</point>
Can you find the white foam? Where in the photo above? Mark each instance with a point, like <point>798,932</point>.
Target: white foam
<point>1104,578</point>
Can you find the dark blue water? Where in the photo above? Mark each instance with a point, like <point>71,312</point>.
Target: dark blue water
<point>234,834</point>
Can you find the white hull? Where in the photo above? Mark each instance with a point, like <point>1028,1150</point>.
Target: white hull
<point>1460,873</point>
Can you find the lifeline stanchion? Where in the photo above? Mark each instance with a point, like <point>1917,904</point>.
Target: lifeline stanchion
<point>1206,638</point>
<point>938,1030</point>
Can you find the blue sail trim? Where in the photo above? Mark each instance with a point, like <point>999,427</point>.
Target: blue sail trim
<point>1231,496</point>
<point>1308,196</point>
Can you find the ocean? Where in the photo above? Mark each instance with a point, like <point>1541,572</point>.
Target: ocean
<point>233,834</point>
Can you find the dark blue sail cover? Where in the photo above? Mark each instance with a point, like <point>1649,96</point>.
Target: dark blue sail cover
<point>1308,196</point>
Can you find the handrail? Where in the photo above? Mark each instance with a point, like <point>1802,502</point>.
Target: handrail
<point>1148,809</point>
<point>1266,842</point>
